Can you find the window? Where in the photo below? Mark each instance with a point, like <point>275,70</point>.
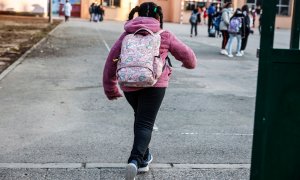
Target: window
<point>191,5</point>
<point>283,7</point>
<point>116,3</point>
<point>255,4</point>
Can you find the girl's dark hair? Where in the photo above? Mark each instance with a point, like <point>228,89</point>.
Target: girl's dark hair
<point>227,5</point>
<point>148,9</point>
<point>245,8</point>
<point>238,13</point>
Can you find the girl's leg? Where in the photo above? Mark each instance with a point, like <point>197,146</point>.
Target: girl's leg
<point>145,103</point>
<point>192,29</point>
<point>244,42</point>
<point>239,43</point>
<point>196,32</point>
<point>225,36</point>
<point>230,44</point>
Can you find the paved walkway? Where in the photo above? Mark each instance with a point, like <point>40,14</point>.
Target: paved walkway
<point>57,124</point>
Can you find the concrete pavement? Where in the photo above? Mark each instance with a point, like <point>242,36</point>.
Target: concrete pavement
<point>56,122</point>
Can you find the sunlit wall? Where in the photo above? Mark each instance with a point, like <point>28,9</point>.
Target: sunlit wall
<point>25,6</point>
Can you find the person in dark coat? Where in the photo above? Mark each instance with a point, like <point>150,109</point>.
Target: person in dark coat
<point>245,11</point>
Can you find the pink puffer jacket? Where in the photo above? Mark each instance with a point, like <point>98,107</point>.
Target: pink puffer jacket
<point>169,43</point>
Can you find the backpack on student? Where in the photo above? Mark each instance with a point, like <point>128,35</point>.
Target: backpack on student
<point>235,25</point>
<point>140,64</point>
<point>194,17</point>
<point>212,32</point>
<point>217,22</point>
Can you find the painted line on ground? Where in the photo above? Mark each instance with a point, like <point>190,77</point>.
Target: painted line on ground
<point>218,134</point>
<point>40,165</point>
<point>106,45</point>
<point>118,165</point>
<point>155,127</point>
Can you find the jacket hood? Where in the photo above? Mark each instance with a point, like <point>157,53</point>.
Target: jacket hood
<point>142,22</point>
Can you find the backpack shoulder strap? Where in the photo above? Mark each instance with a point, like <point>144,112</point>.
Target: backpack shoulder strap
<point>144,29</point>
<point>160,31</point>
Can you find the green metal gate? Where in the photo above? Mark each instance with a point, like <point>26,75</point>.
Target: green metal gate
<point>276,141</point>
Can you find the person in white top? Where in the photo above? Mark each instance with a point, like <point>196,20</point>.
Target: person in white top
<point>67,10</point>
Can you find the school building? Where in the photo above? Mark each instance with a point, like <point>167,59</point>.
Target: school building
<point>177,11</point>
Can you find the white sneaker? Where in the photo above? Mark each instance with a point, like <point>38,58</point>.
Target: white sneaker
<point>242,52</point>
<point>230,55</point>
<point>239,54</point>
<point>131,170</point>
<point>224,52</point>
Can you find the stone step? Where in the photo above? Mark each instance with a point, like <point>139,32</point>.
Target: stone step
<point>2,63</point>
<point>5,59</point>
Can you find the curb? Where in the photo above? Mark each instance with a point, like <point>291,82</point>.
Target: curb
<point>117,165</point>
<point>21,59</point>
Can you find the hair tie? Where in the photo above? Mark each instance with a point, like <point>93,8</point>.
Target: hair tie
<point>155,9</point>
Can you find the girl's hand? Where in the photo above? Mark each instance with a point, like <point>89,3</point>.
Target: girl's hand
<point>115,97</point>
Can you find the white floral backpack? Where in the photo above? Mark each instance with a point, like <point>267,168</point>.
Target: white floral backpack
<point>139,64</point>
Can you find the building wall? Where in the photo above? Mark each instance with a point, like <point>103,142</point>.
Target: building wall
<point>85,4</point>
<point>166,7</point>
<point>39,7</point>
<point>172,9</point>
<point>111,13</point>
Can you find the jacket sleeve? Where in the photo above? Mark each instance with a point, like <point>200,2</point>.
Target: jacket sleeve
<point>182,52</point>
<point>109,73</point>
<point>225,17</point>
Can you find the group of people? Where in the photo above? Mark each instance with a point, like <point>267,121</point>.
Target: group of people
<point>227,23</point>
<point>96,12</point>
<point>232,24</point>
<point>235,25</point>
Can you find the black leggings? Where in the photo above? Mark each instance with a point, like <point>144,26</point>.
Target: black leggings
<point>244,42</point>
<point>225,36</point>
<point>67,18</point>
<point>194,25</point>
<point>145,103</point>
<point>210,22</point>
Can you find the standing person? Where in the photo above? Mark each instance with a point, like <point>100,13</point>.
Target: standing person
<point>91,11</point>
<point>102,13</point>
<point>259,25</point>
<point>204,14</point>
<point>211,12</point>
<point>67,10</point>
<point>217,21</point>
<point>145,102</point>
<point>194,20</point>
<point>200,13</point>
<point>97,13</point>
<point>253,13</point>
<point>226,15</point>
<point>236,29</point>
<point>245,10</point>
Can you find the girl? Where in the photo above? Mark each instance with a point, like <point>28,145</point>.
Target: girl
<point>194,19</point>
<point>236,29</point>
<point>245,10</point>
<point>145,101</point>
<point>226,15</point>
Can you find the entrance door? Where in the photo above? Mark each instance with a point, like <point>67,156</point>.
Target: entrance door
<point>276,141</point>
